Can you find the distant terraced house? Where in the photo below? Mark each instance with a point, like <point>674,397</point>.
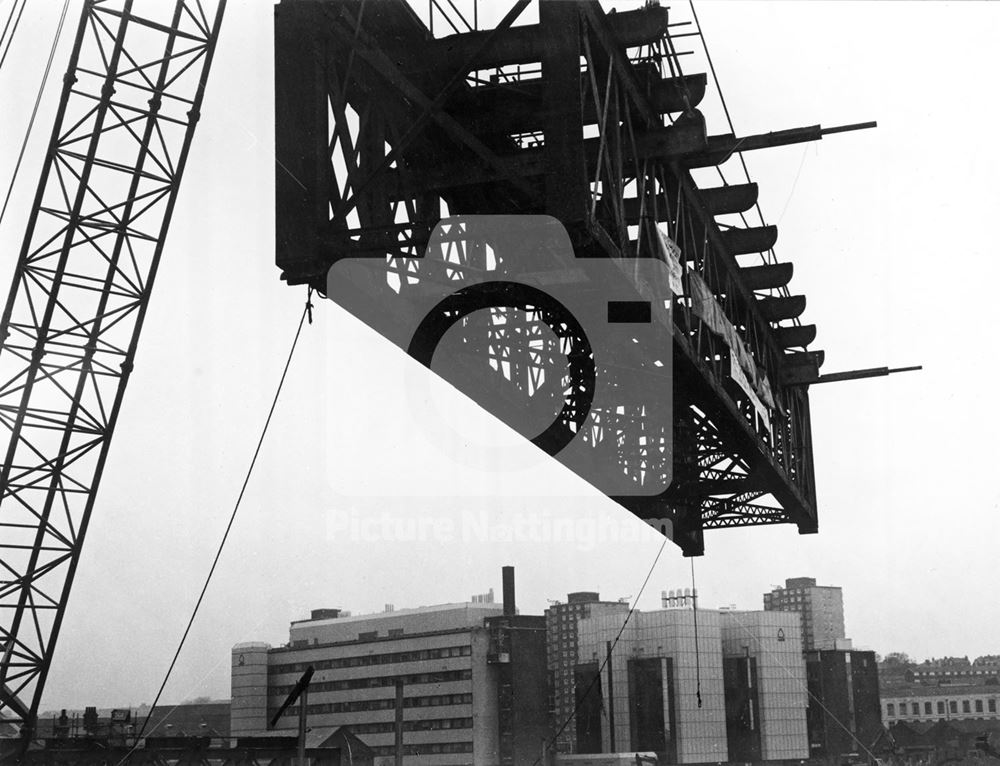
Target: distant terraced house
<point>939,703</point>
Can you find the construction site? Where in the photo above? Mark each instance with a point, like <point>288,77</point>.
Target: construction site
<point>543,203</point>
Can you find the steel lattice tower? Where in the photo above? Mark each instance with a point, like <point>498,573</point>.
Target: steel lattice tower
<point>130,102</point>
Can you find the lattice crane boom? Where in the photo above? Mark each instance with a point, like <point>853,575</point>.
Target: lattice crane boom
<point>130,102</point>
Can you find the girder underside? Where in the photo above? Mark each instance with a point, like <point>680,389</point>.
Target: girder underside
<point>381,144</point>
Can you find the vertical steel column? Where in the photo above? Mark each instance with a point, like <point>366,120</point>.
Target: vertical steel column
<point>566,187</point>
<point>302,145</point>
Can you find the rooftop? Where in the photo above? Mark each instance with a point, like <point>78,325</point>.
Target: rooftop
<point>396,613</point>
<point>953,690</point>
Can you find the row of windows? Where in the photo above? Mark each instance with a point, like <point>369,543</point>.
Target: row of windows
<point>432,748</point>
<point>567,618</point>
<point>796,599</point>
<point>371,635</point>
<point>417,655</point>
<point>388,704</point>
<point>929,673</point>
<point>563,642</point>
<point>967,707</point>
<point>434,724</point>
<point>375,682</point>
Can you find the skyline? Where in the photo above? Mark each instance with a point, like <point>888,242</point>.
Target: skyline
<point>864,217</point>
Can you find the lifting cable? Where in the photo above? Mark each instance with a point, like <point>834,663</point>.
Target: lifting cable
<point>729,121</point>
<point>697,647</point>
<point>306,312</point>
<point>607,658</point>
<point>38,97</point>
<point>805,687</point>
<point>10,38</point>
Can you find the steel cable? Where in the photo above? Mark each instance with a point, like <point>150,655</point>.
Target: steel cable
<point>38,101</point>
<point>306,311</point>
<point>607,658</point>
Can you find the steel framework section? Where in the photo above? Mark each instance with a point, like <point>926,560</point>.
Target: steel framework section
<point>587,117</point>
<point>130,101</point>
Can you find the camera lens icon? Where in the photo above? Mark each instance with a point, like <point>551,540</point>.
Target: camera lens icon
<point>530,300</point>
<point>575,354</point>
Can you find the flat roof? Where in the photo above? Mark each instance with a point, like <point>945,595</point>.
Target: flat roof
<point>461,605</point>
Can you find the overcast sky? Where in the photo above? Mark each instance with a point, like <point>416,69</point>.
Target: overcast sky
<point>892,236</point>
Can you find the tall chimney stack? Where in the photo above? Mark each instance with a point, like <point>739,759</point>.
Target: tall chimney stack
<point>509,605</point>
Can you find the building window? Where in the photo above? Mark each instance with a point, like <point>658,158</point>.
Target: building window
<point>952,706</point>
<point>966,708</point>
<point>890,710</point>
<point>940,708</point>
<point>979,706</point>
<point>915,708</point>
<point>927,708</point>
<point>991,705</point>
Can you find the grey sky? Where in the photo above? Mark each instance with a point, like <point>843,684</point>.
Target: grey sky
<point>891,233</point>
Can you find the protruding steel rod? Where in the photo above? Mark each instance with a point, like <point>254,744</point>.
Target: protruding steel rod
<point>848,128</point>
<point>874,372</point>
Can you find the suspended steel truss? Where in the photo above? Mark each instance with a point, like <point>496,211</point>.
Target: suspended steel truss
<point>385,129</point>
<point>130,102</point>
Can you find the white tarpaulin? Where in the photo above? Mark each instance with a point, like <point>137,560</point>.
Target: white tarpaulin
<point>750,379</point>
<point>672,256</point>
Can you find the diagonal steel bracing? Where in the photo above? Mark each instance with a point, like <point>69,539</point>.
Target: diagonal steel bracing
<point>130,101</point>
<point>588,117</point>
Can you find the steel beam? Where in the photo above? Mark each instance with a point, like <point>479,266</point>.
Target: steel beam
<point>531,43</point>
<point>795,336</point>
<point>534,128</point>
<point>513,108</point>
<point>780,309</point>
<point>676,142</point>
<point>721,148</point>
<point>564,161</point>
<point>757,239</point>
<point>770,276</point>
<point>724,200</point>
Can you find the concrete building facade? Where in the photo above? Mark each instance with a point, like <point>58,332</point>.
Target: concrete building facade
<point>469,671</point>
<point>765,648</point>
<point>661,690</point>
<point>562,626</point>
<point>821,607</point>
<point>844,713</point>
<point>693,686</point>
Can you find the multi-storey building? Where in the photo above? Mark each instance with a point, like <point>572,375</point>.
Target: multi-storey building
<point>821,607</point>
<point>765,681</point>
<point>562,627</point>
<point>692,685</point>
<point>844,714</point>
<point>473,681</point>
<point>951,670</point>
<point>660,691</point>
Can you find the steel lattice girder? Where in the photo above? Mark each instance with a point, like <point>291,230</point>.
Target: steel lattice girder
<point>381,126</point>
<point>130,102</point>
